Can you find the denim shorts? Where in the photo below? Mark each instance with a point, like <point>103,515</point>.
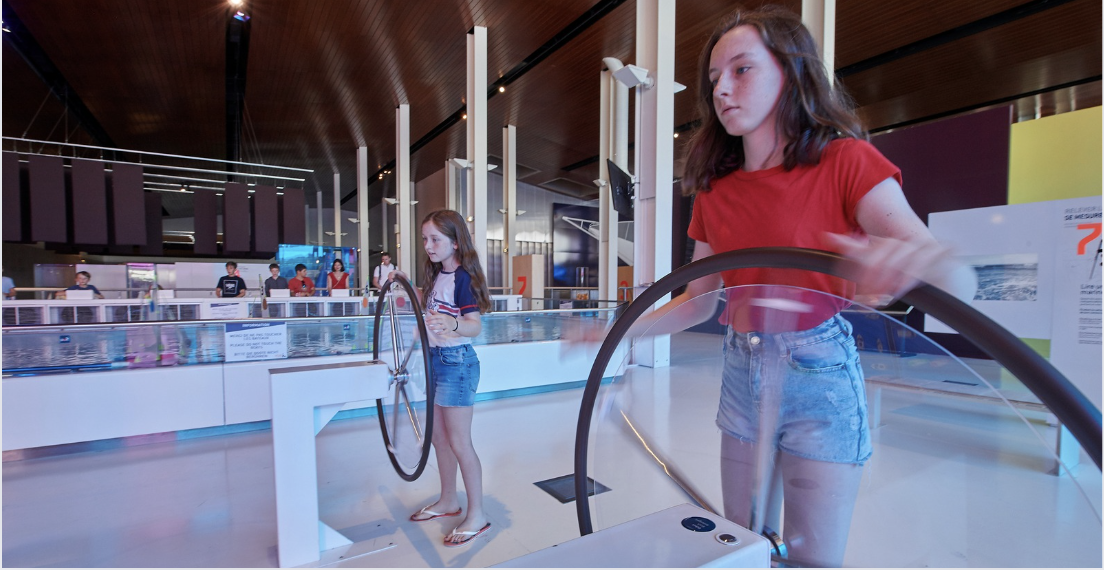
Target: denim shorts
<point>455,374</point>
<point>805,387</point>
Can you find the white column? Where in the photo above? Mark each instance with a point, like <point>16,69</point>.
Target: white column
<point>820,17</point>
<point>509,202</point>
<point>388,230</point>
<point>403,208</point>
<point>477,139</point>
<point>363,238</point>
<point>655,51</point>
<point>450,185</point>
<point>337,209</point>
<point>613,144</point>
<point>319,216</point>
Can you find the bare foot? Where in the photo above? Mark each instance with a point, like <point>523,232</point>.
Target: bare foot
<point>466,531</point>
<point>435,511</point>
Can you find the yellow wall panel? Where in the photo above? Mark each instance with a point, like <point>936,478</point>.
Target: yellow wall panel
<point>1057,157</point>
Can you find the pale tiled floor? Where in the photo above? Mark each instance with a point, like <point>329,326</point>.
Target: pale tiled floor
<point>952,483</point>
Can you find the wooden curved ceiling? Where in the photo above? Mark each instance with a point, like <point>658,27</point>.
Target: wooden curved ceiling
<point>325,77</point>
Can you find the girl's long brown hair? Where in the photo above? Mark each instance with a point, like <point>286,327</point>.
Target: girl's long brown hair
<point>811,111</point>
<point>452,225</point>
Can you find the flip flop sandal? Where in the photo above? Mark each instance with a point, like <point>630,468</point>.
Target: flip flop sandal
<point>468,535</point>
<point>433,514</point>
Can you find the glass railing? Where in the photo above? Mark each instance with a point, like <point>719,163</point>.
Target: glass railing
<point>31,350</point>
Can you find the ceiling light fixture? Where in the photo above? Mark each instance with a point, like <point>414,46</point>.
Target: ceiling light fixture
<point>501,89</point>
<point>464,117</point>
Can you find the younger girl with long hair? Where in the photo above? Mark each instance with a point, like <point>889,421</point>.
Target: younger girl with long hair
<point>454,294</point>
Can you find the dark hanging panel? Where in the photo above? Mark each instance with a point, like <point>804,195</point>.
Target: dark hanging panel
<point>49,214</point>
<point>235,218</point>
<point>266,221</point>
<point>294,217</point>
<point>13,199</point>
<point>953,164</point>
<point>89,203</point>
<point>205,222</point>
<point>154,241</point>
<point>127,205</point>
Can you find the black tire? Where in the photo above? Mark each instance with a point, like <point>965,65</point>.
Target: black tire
<point>400,337</point>
<point>1064,400</point>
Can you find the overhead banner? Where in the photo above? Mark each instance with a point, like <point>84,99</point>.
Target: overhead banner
<point>256,341</point>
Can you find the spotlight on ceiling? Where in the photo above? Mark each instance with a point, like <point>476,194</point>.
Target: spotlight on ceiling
<point>501,89</point>
<point>236,3</point>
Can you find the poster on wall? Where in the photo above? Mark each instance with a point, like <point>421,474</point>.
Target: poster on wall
<point>575,234</point>
<point>256,341</point>
<point>1075,347</point>
<point>1012,251</point>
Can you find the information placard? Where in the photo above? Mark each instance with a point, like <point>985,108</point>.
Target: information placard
<point>223,311</point>
<point>256,341</point>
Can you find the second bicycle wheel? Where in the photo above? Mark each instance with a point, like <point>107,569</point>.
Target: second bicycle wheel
<point>402,344</point>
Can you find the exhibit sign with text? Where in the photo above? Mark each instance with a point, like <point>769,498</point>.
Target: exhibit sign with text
<point>256,341</point>
<point>1039,276</point>
<point>1075,344</point>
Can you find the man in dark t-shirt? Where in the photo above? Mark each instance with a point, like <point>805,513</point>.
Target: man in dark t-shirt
<point>230,285</point>
<point>276,281</point>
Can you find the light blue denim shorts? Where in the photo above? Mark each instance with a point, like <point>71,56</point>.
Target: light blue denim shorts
<point>455,374</point>
<point>806,385</point>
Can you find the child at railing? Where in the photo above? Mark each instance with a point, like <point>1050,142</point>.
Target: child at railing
<point>455,294</point>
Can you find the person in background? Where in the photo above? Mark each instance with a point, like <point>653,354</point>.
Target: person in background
<point>83,277</point>
<point>276,281</point>
<point>8,286</point>
<point>301,285</point>
<point>383,271</point>
<point>230,285</point>
<point>337,278</point>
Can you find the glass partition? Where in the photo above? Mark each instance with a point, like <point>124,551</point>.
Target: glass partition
<point>857,441</point>
<point>33,350</point>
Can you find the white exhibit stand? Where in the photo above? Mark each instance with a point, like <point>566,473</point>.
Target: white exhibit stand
<point>303,402</point>
<point>683,536</point>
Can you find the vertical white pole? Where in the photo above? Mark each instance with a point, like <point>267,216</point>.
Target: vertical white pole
<point>319,216</point>
<point>387,231</point>
<point>607,232</point>
<point>363,238</point>
<point>450,185</point>
<point>403,209</point>
<point>477,138</point>
<point>820,17</point>
<point>614,146</point>
<point>655,51</point>
<point>509,202</point>
<point>337,209</point>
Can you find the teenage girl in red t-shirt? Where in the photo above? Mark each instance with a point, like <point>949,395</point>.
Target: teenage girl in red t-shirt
<point>780,159</point>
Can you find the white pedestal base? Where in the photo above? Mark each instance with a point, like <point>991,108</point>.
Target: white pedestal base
<point>303,402</point>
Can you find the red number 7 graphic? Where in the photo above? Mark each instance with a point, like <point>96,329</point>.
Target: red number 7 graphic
<point>523,280</point>
<point>1093,235</point>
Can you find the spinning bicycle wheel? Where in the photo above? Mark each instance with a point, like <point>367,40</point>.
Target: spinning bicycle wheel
<point>402,344</point>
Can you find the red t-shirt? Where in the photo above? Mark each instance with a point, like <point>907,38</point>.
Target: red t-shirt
<point>779,208</point>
